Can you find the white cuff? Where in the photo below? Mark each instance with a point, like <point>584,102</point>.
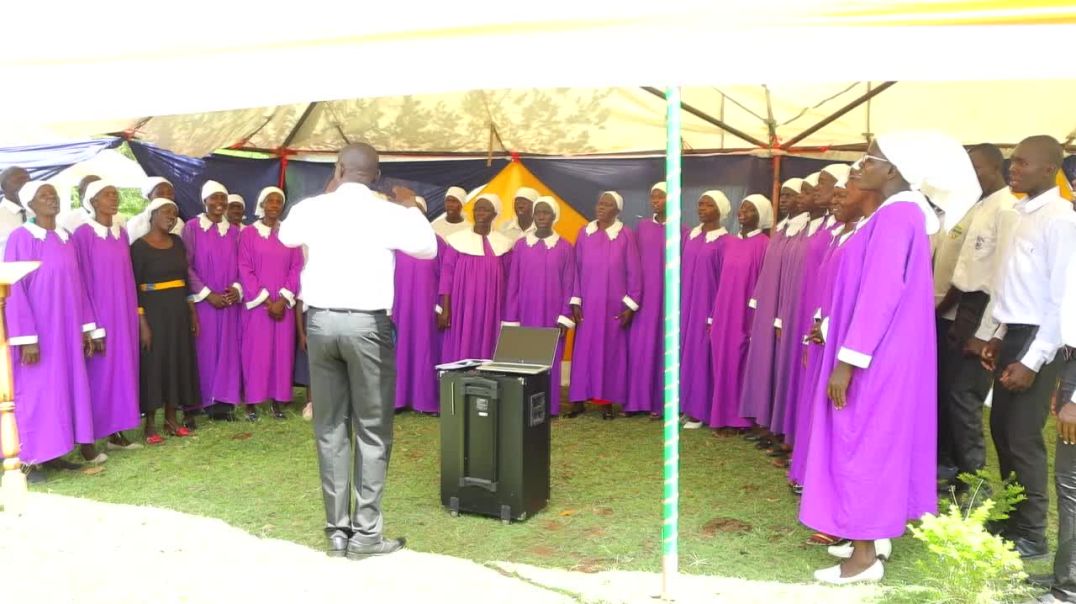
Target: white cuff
<point>1033,361</point>
<point>263,295</point>
<point>817,315</point>
<point>21,340</point>
<point>778,324</point>
<point>438,309</point>
<point>509,323</point>
<point>202,295</point>
<point>576,301</point>
<point>752,303</point>
<point>632,304</point>
<point>1001,331</point>
<point>289,296</point>
<point>709,320</point>
<point>565,321</point>
<point>853,358</point>
<point>88,327</point>
<point>238,288</point>
<point>824,328</point>
<point>98,334</point>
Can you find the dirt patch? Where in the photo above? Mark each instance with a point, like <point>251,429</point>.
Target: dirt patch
<point>543,551</point>
<point>724,525</point>
<point>603,511</point>
<point>243,436</point>
<point>596,532</point>
<point>591,565</point>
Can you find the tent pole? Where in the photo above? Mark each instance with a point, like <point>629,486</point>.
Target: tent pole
<point>775,190</point>
<point>870,94</point>
<point>671,451</point>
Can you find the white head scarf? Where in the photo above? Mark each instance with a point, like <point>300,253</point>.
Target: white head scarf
<point>659,186</point>
<point>527,193</point>
<point>236,198</point>
<point>553,205</point>
<point>936,166</point>
<point>151,183</point>
<point>422,202</point>
<point>839,172</point>
<point>723,204</point>
<point>493,198</point>
<point>93,190</point>
<point>795,184</point>
<point>139,226</point>
<point>458,193</point>
<point>27,194</point>
<point>763,207</point>
<point>259,210</point>
<point>616,197</point>
<point>811,180</point>
<point>212,187</point>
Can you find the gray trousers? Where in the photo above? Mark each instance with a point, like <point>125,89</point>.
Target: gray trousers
<point>353,371</point>
<point>1016,423</point>
<point>1065,481</point>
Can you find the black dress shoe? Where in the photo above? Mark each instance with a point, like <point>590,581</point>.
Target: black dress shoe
<point>752,436</point>
<point>62,464</point>
<point>1041,581</point>
<point>189,423</point>
<point>34,474</point>
<point>252,416</point>
<point>337,545</point>
<point>1030,550</point>
<point>360,551</point>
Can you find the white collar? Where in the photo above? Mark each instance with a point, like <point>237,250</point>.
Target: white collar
<point>613,230</point>
<point>711,236</point>
<point>814,225</point>
<point>749,235</point>
<point>830,220</point>
<point>550,242</point>
<point>1028,204</point>
<point>262,229</point>
<point>470,243</point>
<point>12,207</point>
<point>514,224</point>
<point>40,233</point>
<point>206,224</point>
<point>103,231</point>
<point>797,223</point>
<point>783,224</point>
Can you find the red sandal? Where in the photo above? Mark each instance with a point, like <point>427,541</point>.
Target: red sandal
<point>180,431</point>
<point>154,440</point>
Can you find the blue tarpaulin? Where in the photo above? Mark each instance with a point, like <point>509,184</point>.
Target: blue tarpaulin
<point>45,161</point>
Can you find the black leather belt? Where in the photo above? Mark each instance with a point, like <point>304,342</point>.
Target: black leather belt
<point>350,311</point>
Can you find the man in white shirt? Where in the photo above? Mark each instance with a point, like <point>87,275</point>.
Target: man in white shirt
<point>986,233</point>
<point>523,224</point>
<point>12,214</point>
<point>1063,588</point>
<point>1027,306</point>
<point>347,286</point>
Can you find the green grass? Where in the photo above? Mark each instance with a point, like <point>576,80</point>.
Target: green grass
<point>605,510</point>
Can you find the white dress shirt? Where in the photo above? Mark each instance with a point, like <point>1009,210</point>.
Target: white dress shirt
<point>1068,310</point>
<point>989,236</point>
<point>1033,278</point>
<point>445,228</point>
<point>512,230</point>
<point>11,217</point>
<point>946,255</point>
<point>350,236</point>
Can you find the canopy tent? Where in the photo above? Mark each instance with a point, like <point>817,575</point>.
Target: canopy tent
<point>467,78</point>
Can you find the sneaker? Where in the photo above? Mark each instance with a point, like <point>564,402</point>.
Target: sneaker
<point>692,425</point>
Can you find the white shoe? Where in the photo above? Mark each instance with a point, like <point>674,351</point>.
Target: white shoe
<point>692,425</point>
<point>100,459</point>
<point>882,547</point>
<point>832,575</point>
<point>111,446</point>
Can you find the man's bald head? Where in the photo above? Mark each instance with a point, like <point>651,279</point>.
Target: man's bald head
<point>357,162</point>
<point>1046,148</point>
<point>1034,164</point>
<point>11,180</point>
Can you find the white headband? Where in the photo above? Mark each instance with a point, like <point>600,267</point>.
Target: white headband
<point>151,183</point>
<point>93,190</point>
<point>210,188</point>
<point>458,193</point>
<point>493,198</point>
<point>422,202</point>
<point>722,202</point>
<point>527,193</point>
<point>616,197</point>
<point>839,172</point>
<point>28,192</point>
<point>812,180</point>
<point>553,205</point>
<point>139,226</point>
<point>659,186</point>
<point>259,210</point>
<point>795,184</point>
<point>764,208</point>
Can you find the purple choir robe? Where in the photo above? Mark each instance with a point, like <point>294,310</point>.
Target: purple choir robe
<point>268,271</point>
<point>418,341</point>
<point>473,275</point>
<point>540,282</point>
<point>801,264</point>
<point>105,261</point>
<point>757,395</point>
<point>871,466</point>
<point>740,264</point>
<point>816,299</point>
<point>49,307</point>
<point>214,267</point>
<point>699,266</point>
<point>646,341</point>
<point>607,281</point>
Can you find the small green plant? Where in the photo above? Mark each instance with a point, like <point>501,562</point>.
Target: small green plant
<point>966,563</point>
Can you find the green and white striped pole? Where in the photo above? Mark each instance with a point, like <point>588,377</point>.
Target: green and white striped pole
<point>671,455</point>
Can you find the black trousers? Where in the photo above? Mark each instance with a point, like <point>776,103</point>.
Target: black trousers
<point>1065,480</point>
<point>1016,423</point>
<point>963,391</point>
<point>946,447</point>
